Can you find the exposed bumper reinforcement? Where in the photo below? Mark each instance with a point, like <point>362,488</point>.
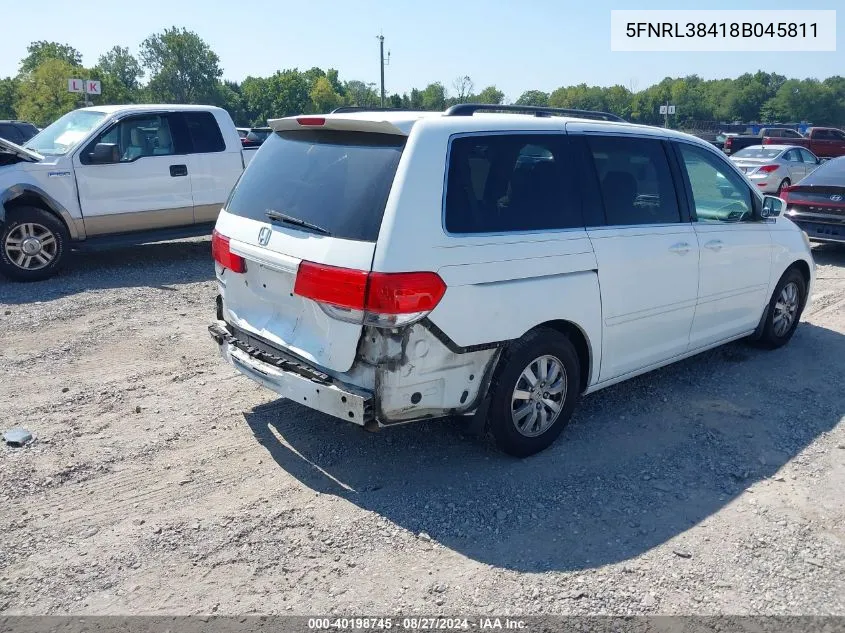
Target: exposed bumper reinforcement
<point>293,380</point>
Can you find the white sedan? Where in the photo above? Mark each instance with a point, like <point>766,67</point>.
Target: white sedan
<point>773,167</point>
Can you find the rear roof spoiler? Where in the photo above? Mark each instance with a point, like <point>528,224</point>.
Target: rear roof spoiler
<point>288,124</point>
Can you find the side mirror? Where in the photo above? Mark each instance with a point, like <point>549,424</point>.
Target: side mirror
<point>104,153</point>
<point>772,206</point>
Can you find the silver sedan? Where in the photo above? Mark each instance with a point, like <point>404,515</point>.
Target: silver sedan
<point>773,167</point>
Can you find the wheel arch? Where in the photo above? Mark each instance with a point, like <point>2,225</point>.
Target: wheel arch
<point>579,340</point>
<point>30,195</point>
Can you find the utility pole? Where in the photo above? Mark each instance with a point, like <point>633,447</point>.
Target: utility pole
<point>666,115</point>
<point>382,64</point>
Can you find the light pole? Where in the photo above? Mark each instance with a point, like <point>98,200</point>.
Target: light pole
<point>382,64</point>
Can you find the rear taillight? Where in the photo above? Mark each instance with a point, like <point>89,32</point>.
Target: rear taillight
<point>728,142</point>
<point>341,287</point>
<point>223,256</point>
<point>767,169</point>
<point>379,299</point>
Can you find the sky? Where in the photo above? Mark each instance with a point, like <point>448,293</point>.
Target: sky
<point>515,44</point>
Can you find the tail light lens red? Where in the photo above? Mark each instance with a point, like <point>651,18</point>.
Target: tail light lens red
<point>223,256</point>
<point>767,169</point>
<point>380,299</point>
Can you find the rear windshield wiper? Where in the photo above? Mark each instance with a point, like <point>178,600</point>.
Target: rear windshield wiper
<point>289,219</point>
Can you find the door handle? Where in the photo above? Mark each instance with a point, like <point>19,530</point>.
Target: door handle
<point>681,248</point>
<point>714,245</point>
<point>178,170</point>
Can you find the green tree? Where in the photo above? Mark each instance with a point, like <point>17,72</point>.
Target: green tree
<point>323,96</point>
<point>183,68</point>
<point>8,97</point>
<point>490,94</point>
<point>416,99</point>
<point>121,75</point>
<point>229,98</point>
<point>533,98</point>
<point>361,94</point>
<point>434,97</point>
<point>289,93</point>
<point>41,51</point>
<point>43,95</point>
<point>257,100</point>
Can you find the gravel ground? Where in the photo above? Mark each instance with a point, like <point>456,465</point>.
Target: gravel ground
<point>162,482</point>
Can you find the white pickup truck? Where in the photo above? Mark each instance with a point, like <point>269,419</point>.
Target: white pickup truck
<point>114,175</point>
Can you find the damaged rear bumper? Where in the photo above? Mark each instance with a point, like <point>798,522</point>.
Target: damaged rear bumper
<point>291,378</point>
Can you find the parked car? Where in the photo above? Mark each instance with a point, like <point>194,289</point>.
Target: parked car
<point>112,175</point>
<point>243,131</point>
<point>258,135</point>
<point>356,280</point>
<point>773,167</point>
<point>735,142</point>
<point>824,142</point>
<point>17,131</point>
<point>817,203</point>
<point>255,137</point>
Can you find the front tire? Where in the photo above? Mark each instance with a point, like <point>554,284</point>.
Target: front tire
<point>33,244</point>
<point>534,393</point>
<point>784,310</point>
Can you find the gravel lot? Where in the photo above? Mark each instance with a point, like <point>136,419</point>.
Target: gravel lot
<point>162,482</point>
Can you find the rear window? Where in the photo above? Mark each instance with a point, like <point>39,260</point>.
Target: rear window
<point>758,151</point>
<point>831,172</point>
<point>338,181</point>
<point>204,131</point>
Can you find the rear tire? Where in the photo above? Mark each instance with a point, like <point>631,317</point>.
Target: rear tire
<point>783,183</point>
<point>534,392</point>
<point>784,310</point>
<point>33,244</point>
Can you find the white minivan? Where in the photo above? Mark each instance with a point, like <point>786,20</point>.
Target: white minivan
<point>384,267</point>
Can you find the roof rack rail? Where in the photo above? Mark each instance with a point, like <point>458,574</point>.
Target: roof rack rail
<point>468,109</point>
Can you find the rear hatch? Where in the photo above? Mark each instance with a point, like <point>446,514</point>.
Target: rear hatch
<point>314,194</point>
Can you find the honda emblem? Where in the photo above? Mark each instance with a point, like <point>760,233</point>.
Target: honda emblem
<point>836,197</point>
<point>264,236</point>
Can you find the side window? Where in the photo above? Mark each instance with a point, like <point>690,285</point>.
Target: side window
<point>823,135</point>
<point>837,135</point>
<point>510,182</point>
<point>719,193</point>
<point>635,180</point>
<point>808,157</point>
<point>138,137</point>
<point>792,156</point>
<point>204,131</point>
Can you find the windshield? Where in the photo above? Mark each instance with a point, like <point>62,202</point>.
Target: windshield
<point>338,181</point>
<point>64,134</point>
<point>757,152</point>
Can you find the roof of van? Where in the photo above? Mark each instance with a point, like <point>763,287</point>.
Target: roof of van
<point>405,120</point>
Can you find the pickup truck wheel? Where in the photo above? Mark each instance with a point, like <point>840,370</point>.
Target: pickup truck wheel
<point>33,244</point>
<point>534,393</point>
<point>783,183</point>
<point>784,310</point>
